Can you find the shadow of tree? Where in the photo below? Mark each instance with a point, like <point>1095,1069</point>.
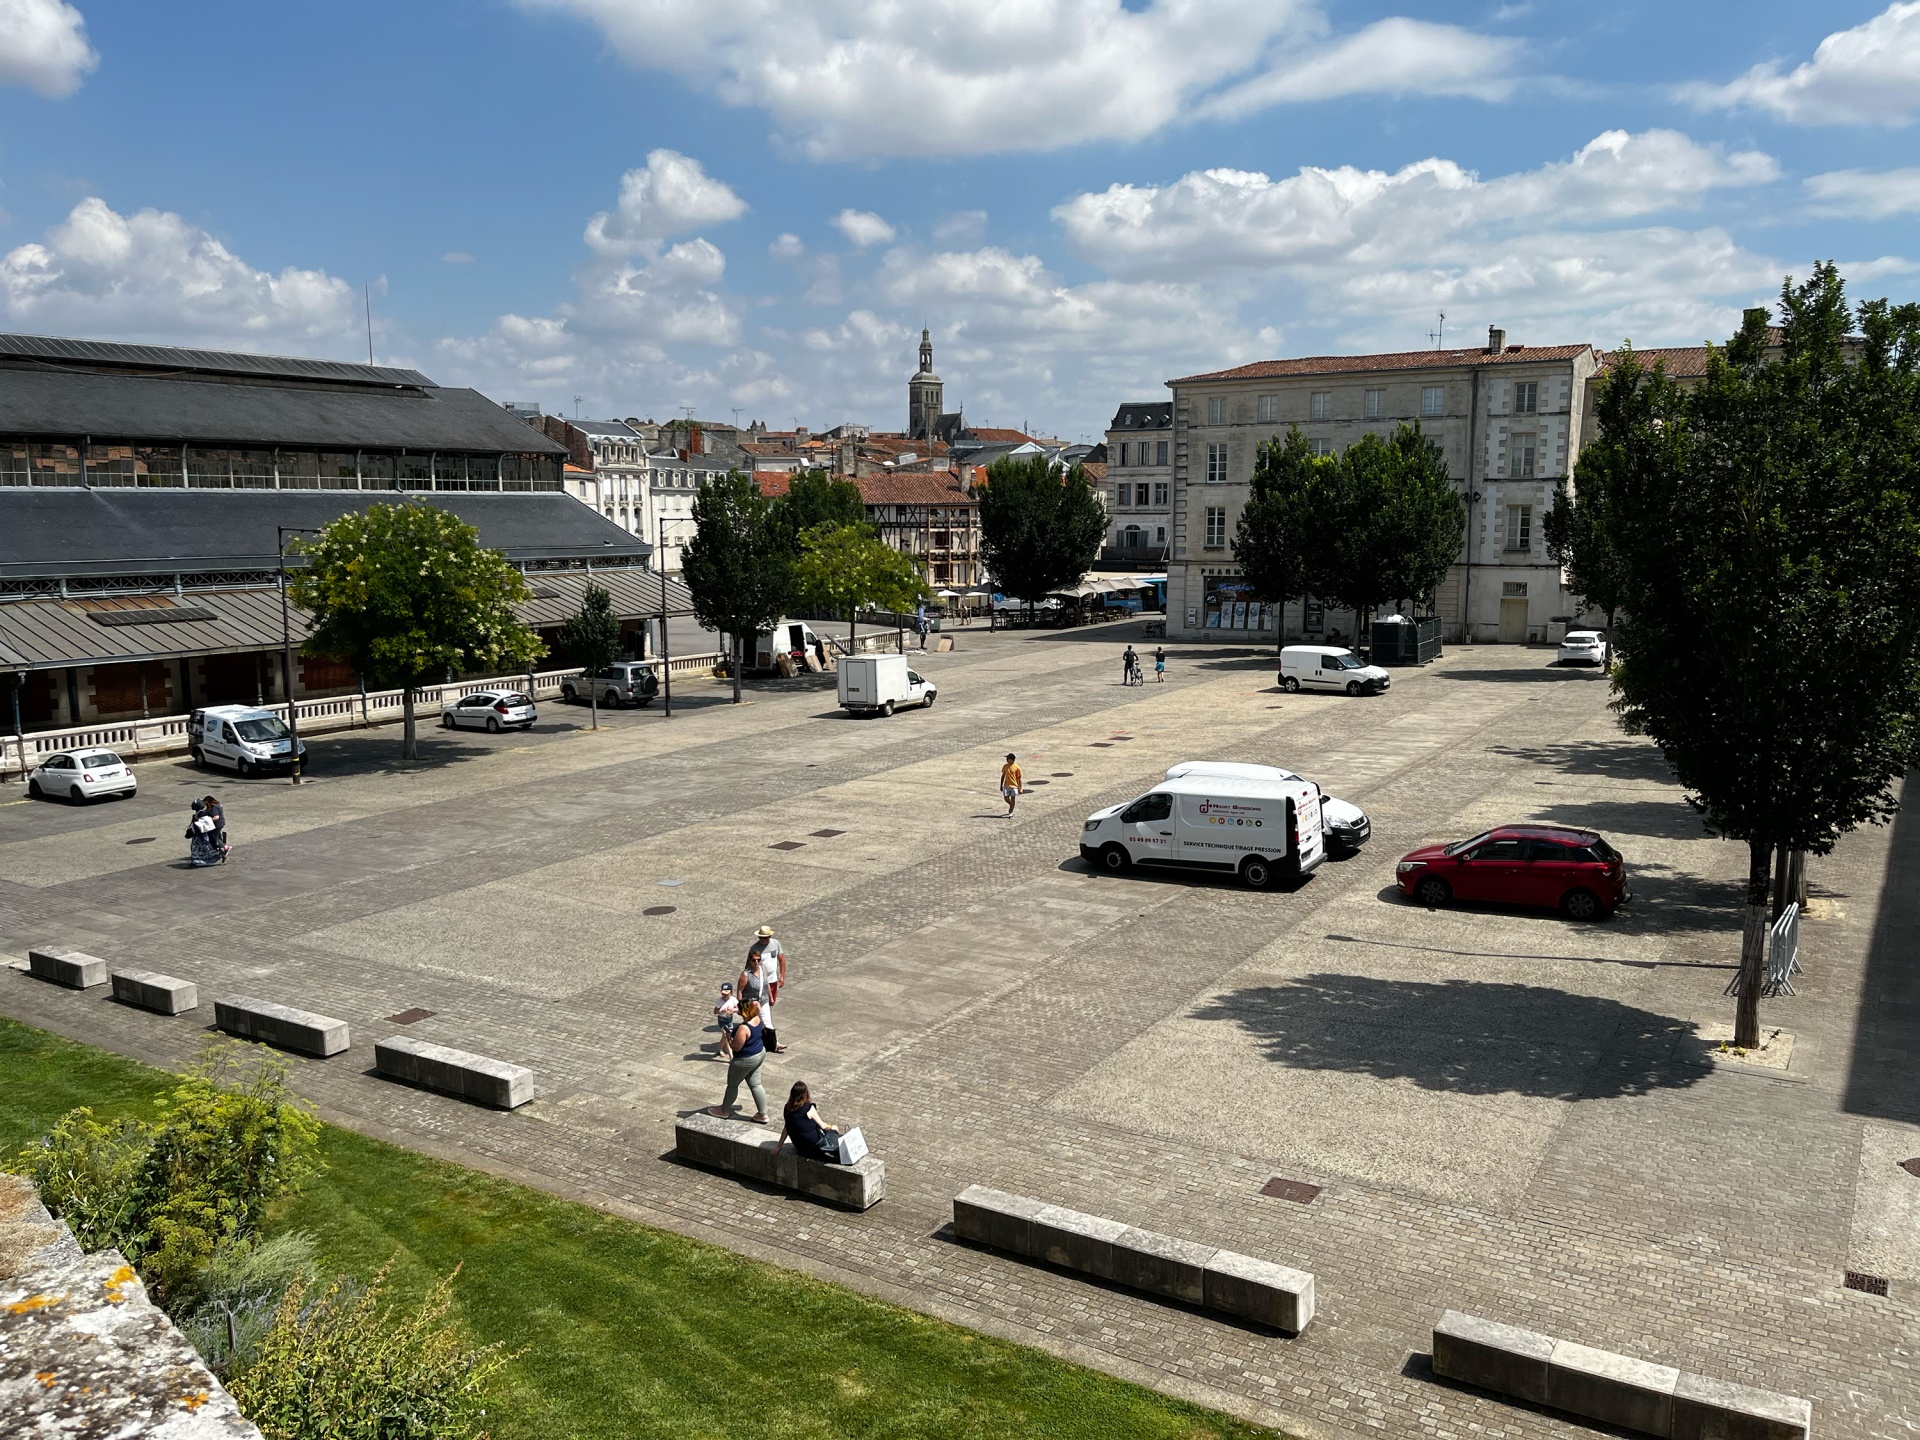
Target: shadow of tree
<point>1473,1037</point>
<point>1658,819</point>
<point>1542,674</point>
<point>1622,759</point>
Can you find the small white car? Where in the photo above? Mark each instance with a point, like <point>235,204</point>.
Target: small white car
<point>1583,647</point>
<point>494,710</point>
<point>82,775</point>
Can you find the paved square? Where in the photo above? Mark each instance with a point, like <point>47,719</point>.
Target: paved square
<point>1508,1114</point>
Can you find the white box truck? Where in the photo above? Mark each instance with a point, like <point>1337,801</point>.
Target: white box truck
<point>881,684</point>
<point>1265,830</point>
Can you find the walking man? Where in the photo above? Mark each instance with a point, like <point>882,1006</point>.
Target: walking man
<point>1129,663</point>
<point>765,973</point>
<point>1010,787</point>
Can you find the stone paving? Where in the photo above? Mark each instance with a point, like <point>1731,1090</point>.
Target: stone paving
<point>1507,1113</point>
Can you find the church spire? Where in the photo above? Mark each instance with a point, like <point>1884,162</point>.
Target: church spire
<point>926,352</point>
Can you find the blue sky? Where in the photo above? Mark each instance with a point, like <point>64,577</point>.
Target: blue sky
<point>755,204</point>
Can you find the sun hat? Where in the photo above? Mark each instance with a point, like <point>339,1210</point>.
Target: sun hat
<point>766,932</point>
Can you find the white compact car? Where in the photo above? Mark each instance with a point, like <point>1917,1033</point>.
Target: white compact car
<point>82,775</point>
<point>1583,647</point>
<point>494,710</point>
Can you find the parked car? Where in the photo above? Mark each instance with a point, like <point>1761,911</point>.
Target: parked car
<point>494,710</point>
<point>1330,667</point>
<point>1266,829</point>
<point>1344,825</point>
<point>626,682</point>
<point>82,775</point>
<point>243,736</point>
<point>1582,647</point>
<point>1574,871</point>
<point>881,684</point>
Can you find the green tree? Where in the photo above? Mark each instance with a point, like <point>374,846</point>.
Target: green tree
<point>738,566</point>
<point>1768,547</point>
<point>1040,530</point>
<point>815,498</point>
<point>1419,523</point>
<point>1280,540</point>
<point>406,594</point>
<point>849,570</point>
<point>590,638</point>
<point>1579,536</point>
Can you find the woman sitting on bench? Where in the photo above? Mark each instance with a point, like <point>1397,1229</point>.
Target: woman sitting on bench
<point>811,1139</point>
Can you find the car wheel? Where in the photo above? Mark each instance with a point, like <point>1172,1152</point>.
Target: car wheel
<point>199,758</point>
<point>245,767</point>
<point>1290,685</point>
<point>1433,892</point>
<point>446,720</point>
<point>1580,905</point>
<point>927,704</point>
<point>887,709</point>
<point>493,725</point>
<point>76,796</point>
<point>1354,687</point>
<point>33,789</point>
<point>613,699</point>
<point>1257,872</point>
<point>1114,859</point>
<point>569,694</point>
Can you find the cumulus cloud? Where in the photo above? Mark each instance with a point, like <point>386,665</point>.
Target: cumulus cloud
<point>43,45</point>
<point>786,247</point>
<point>863,228</point>
<point>153,276</point>
<point>1864,194</point>
<point>1869,75</point>
<point>669,195</point>
<point>951,77</point>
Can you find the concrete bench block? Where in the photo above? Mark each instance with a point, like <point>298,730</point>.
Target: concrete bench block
<point>1497,1357</point>
<point>996,1219</point>
<point>151,990</point>
<point>1259,1290</point>
<point>456,1072</point>
<point>1079,1242</point>
<point>74,969</point>
<point>1613,1389</point>
<point>280,1025</point>
<point>750,1151</point>
<point>1162,1265</point>
<point>1706,1409</point>
<point>859,1186</point>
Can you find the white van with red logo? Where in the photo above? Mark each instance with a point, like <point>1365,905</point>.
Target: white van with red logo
<point>1265,830</point>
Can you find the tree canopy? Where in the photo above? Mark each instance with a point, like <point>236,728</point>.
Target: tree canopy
<point>847,569</point>
<point>815,498</point>
<point>590,638</point>
<point>407,595</point>
<point>1277,542</point>
<point>1040,529</point>
<point>739,564</point>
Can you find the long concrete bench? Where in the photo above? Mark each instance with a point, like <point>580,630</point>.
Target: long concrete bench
<point>72,968</point>
<point>740,1147</point>
<point>1613,1389</point>
<point>280,1025</point>
<point>152,991</point>
<point>456,1072</point>
<point>1221,1280</point>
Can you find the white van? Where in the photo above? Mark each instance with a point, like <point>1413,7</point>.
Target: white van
<point>1330,667</point>
<point>794,638</point>
<point>880,684</point>
<point>244,737</point>
<point>1344,826</point>
<point>1265,829</point>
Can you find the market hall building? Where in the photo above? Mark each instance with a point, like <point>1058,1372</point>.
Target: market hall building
<point>142,489</point>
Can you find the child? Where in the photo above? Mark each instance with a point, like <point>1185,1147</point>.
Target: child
<point>726,1015</point>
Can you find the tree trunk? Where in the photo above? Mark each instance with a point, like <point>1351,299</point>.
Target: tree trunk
<point>1753,947</point>
<point>1797,883</point>
<point>409,734</point>
<point>739,664</point>
<point>1782,860</point>
<point>853,635</point>
<point>593,702</point>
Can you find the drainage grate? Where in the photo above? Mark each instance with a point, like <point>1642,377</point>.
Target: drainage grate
<point>825,834</point>
<point>1870,1284</point>
<point>409,1017</point>
<point>1297,1191</point>
<point>659,910</point>
<point>787,845</point>
<point>1912,1167</point>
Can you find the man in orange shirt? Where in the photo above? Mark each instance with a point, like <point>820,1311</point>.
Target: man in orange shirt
<point>1010,786</point>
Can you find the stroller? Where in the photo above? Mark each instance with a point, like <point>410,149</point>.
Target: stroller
<point>207,843</point>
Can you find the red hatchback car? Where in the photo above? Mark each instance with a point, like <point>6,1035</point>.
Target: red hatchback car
<point>1573,871</point>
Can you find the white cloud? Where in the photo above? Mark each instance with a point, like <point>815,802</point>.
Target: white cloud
<point>456,257</point>
<point>153,276</point>
<point>950,77</point>
<point>961,227</point>
<point>43,45</point>
<point>1869,75</point>
<point>863,228</point>
<point>670,195</point>
<point>786,247</point>
<point>1864,194</point>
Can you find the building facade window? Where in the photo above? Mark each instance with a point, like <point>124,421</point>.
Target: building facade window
<point>1159,534</point>
<point>1433,400</point>
<point>1320,406</point>
<point>1519,527</point>
<point>1320,447</point>
<point>1140,494</point>
<point>1216,410</point>
<point>1521,465</point>
<point>1216,527</point>
<point>1123,493</point>
<point>1160,492</point>
<point>1526,397</point>
<point>1216,464</point>
<point>1230,605</point>
<point>1160,453</point>
<point>1123,454</point>
<point>1269,408</point>
<point>1376,404</point>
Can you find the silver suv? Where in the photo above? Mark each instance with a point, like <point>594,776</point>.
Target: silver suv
<point>626,682</point>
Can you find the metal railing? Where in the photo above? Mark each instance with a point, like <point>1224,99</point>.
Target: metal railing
<point>1782,959</point>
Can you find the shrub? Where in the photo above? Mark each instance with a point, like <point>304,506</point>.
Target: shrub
<point>86,1173</point>
<point>348,1364</point>
<point>231,1304</point>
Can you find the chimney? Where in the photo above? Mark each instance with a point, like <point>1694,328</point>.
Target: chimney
<point>1496,340</point>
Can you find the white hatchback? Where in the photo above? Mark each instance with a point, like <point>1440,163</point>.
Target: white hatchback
<point>82,775</point>
<point>491,710</point>
<point>1583,647</point>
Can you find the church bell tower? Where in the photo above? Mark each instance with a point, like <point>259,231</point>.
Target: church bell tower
<point>925,395</point>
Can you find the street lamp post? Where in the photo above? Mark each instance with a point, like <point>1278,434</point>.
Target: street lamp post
<point>666,645</point>
<point>286,645</point>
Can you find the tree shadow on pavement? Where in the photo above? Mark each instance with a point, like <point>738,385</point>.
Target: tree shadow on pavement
<point>1541,674</point>
<point>1472,1037</point>
<point>1621,759</point>
<point>1656,819</point>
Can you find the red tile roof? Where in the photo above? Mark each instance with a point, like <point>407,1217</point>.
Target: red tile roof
<point>1398,360</point>
<point>773,483</point>
<point>938,487</point>
<point>999,437</point>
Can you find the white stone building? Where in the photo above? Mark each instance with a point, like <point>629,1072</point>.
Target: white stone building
<point>1508,419</point>
<point>1138,489</point>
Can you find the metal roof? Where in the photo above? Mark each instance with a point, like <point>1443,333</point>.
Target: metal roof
<point>110,354</point>
<point>52,533</point>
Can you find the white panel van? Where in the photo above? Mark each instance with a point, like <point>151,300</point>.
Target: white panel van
<point>1263,829</point>
<point>1343,825</point>
<point>243,736</point>
<point>1330,667</point>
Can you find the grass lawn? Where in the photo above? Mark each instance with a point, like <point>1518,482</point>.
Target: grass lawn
<point>629,1331</point>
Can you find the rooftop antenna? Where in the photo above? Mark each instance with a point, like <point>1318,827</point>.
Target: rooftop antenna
<point>1436,336</point>
<point>736,416</point>
<point>576,407</point>
<point>366,293</point>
